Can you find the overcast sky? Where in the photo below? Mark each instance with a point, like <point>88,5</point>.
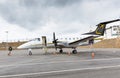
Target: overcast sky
<point>32,18</point>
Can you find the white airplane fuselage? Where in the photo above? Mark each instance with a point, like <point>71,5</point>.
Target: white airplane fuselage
<point>69,41</point>
<point>63,43</point>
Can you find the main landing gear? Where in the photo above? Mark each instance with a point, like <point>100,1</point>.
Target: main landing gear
<point>74,51</point>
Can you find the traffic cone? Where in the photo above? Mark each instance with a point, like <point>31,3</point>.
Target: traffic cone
<point>54,53</point>
<point>93,55</point>
<point>69,53</point>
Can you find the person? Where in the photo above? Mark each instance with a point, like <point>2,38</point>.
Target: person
<point>10,50</point>
<point>30,51</point>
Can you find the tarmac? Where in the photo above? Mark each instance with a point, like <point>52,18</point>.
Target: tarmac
<point>105,63</point>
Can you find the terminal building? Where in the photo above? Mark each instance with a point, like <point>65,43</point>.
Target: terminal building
<point>112,32</point>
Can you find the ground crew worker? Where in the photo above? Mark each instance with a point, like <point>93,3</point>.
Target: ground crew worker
<point>30,51</point>
<point>10,50</point>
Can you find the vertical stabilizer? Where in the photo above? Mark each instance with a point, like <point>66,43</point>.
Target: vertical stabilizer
<point>101,28</point>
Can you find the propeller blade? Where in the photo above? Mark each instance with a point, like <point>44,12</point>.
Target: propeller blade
<point>54,36</point>
<point>55,41</point>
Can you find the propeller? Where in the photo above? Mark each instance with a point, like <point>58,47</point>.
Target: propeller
<point>55,41</point>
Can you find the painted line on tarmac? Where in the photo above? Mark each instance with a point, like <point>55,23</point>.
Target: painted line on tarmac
<point>60,71</point>
<point>57,62</point>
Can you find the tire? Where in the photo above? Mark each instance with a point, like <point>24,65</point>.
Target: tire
<point>74,51</point>
<point>61,51</point>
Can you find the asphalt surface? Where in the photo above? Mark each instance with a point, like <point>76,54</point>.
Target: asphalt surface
<point>106,63</point>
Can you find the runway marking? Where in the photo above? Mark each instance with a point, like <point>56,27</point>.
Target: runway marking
<point>60,71</point>
<point>1,66</point>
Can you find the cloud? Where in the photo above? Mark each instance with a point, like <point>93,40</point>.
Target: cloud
<point>65,16</point>
<point>14,31</point>
<point>31,13</point>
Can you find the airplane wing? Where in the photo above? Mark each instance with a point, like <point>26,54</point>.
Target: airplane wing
<point>83,40</point>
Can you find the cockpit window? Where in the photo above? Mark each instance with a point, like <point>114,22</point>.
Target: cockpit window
<point>38,39</point>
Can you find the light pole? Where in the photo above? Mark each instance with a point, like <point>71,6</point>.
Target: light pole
<point>6,39</point>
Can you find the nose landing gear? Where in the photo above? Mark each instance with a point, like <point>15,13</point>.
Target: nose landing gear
<point>60,51</point>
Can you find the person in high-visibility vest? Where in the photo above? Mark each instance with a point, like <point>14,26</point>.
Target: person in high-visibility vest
<point>10,50</point>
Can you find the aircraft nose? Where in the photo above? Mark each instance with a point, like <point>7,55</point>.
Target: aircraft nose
<point>25,45</point>
<point>20,47</point>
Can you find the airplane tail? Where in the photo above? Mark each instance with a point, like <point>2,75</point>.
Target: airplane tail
<point>101,28</point>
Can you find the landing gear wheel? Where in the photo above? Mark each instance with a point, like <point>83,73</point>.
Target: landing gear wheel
<point>74,51</point>
<point>61,51</point>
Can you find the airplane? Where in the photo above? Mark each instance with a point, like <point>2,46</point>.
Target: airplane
<point>58,43</point>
